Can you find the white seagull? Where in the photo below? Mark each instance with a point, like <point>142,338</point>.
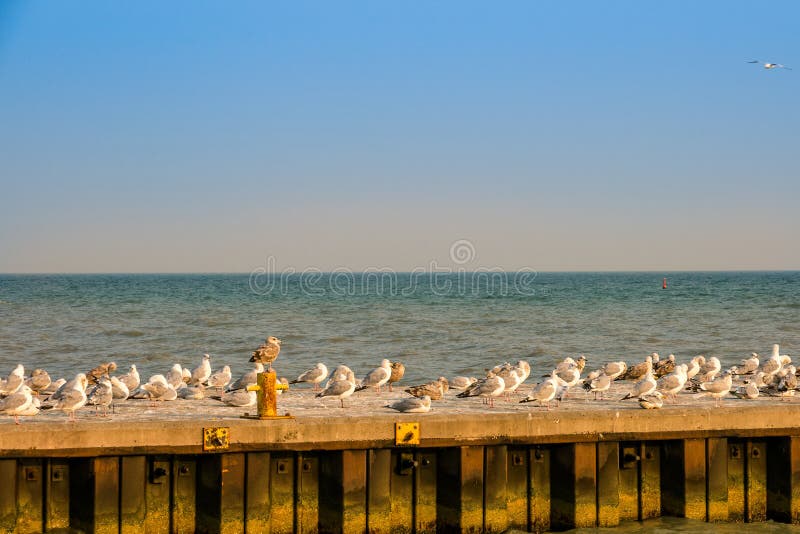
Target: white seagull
<point>770,66</point>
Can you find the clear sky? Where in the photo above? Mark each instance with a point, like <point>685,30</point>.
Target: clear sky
<point>206,136</point>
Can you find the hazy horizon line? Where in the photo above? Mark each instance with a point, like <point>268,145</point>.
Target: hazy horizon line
<point>390,271</point>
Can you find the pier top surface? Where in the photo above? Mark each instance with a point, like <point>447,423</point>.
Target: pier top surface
<point>365,422</point>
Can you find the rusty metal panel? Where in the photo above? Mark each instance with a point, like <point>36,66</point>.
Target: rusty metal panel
<point>400,473</point>
<point>157,495</point>
<point>585,485</point>
<point>471,484</point>
<point>8,497</point>
<point>132,505</point>
<point>650,480</point>
<point>608,484</point>
<point>737,453</point>
<point>282,492</point>
<point>57,494</point>
<point>539,459</point>
<point>106,494</point>
<point>257,480</point>
<point>717,479</point>
<point>495,484</point>
<point>379,490</point>
<point>307,493</point>
<point>573,499</point>
<point>517,491</point>
<point>783,479</point>
<point>354,490</point>
<point>683,472</point>
<point>184,494</point>
<point>209,483</point>
<point>629,471</point>
<point>695,476</point>
<point>425,490</point>
<point>29,496</point>
<point>459,489</point>
<point>756,477</point>
<point>232,493</point>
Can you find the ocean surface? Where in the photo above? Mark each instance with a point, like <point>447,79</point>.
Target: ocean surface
<point>437,324</point>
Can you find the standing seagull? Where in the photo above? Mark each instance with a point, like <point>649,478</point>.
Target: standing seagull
<point>770,66</point>
<point>17,403</point>
<point>377,377</point>
<point>338,388</point>
<point>314,376</point>
<point>267,352</point>
<point>73,398</point>
<point>201,373</point>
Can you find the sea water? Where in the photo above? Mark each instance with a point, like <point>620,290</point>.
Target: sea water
<point>437,324</point>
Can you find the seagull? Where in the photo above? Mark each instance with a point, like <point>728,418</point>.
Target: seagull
<point>15,379</point>
<point>39,380</point>
<point>770,66</point>
<point>18,403</point>
<point>773,364</point>
<point>175,376</point>
<point>653,401</point>
<point>239,397</point>
<point>462,382</point>
<point>645,386</point>
<point>749,365</point>
<point>664,367</point>
<point>220,378</point>
<point>640,369</point>
<point>339,388</point>
<point>398,371</point>
<point>342,372</point>
<point>377,377</point>
<point>615,369</point>
<point>159,389</point>
<point>747,391</point>
<point>249,378</point>
<point>194,392</point>
<point>694,366</point>
<point>670,385</point>
<point>599,384</point>
<point>131,378</point>
<point>543,392</point>
<point>54,386</point>
<point>267,352</point>
<point>201,373</point>
<point>718,388</point>
<point>73,398</point>
<point>118,389</point>
<point>104,369</point>
<point>412,405</point>
<point>432,390</point>
<point>490,387</point>
<point>101,395</point>
<point>314,376</point>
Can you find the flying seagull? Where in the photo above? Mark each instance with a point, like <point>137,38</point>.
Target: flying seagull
<point>770,66</point>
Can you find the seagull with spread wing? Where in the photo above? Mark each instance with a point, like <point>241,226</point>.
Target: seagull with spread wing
<point>770,66</point>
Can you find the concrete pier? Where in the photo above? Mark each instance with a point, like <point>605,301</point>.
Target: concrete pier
<point>333,470</point>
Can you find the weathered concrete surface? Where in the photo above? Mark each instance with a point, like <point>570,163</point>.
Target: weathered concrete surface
<point>176,427</point>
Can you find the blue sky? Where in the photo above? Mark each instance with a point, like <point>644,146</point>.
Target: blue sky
<point>207,136</point>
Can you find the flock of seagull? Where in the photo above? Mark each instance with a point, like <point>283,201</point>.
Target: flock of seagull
<point>654,381</point>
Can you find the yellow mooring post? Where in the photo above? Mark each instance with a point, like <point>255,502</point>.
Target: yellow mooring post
<point>266,389</point>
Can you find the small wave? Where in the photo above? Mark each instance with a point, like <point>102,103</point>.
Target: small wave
<point>337,339</point>
<point>132,333</point>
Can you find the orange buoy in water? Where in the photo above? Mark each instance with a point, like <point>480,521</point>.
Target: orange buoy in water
<point>664,284</point>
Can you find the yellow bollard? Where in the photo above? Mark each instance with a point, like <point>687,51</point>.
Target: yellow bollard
<point>266,390</point>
